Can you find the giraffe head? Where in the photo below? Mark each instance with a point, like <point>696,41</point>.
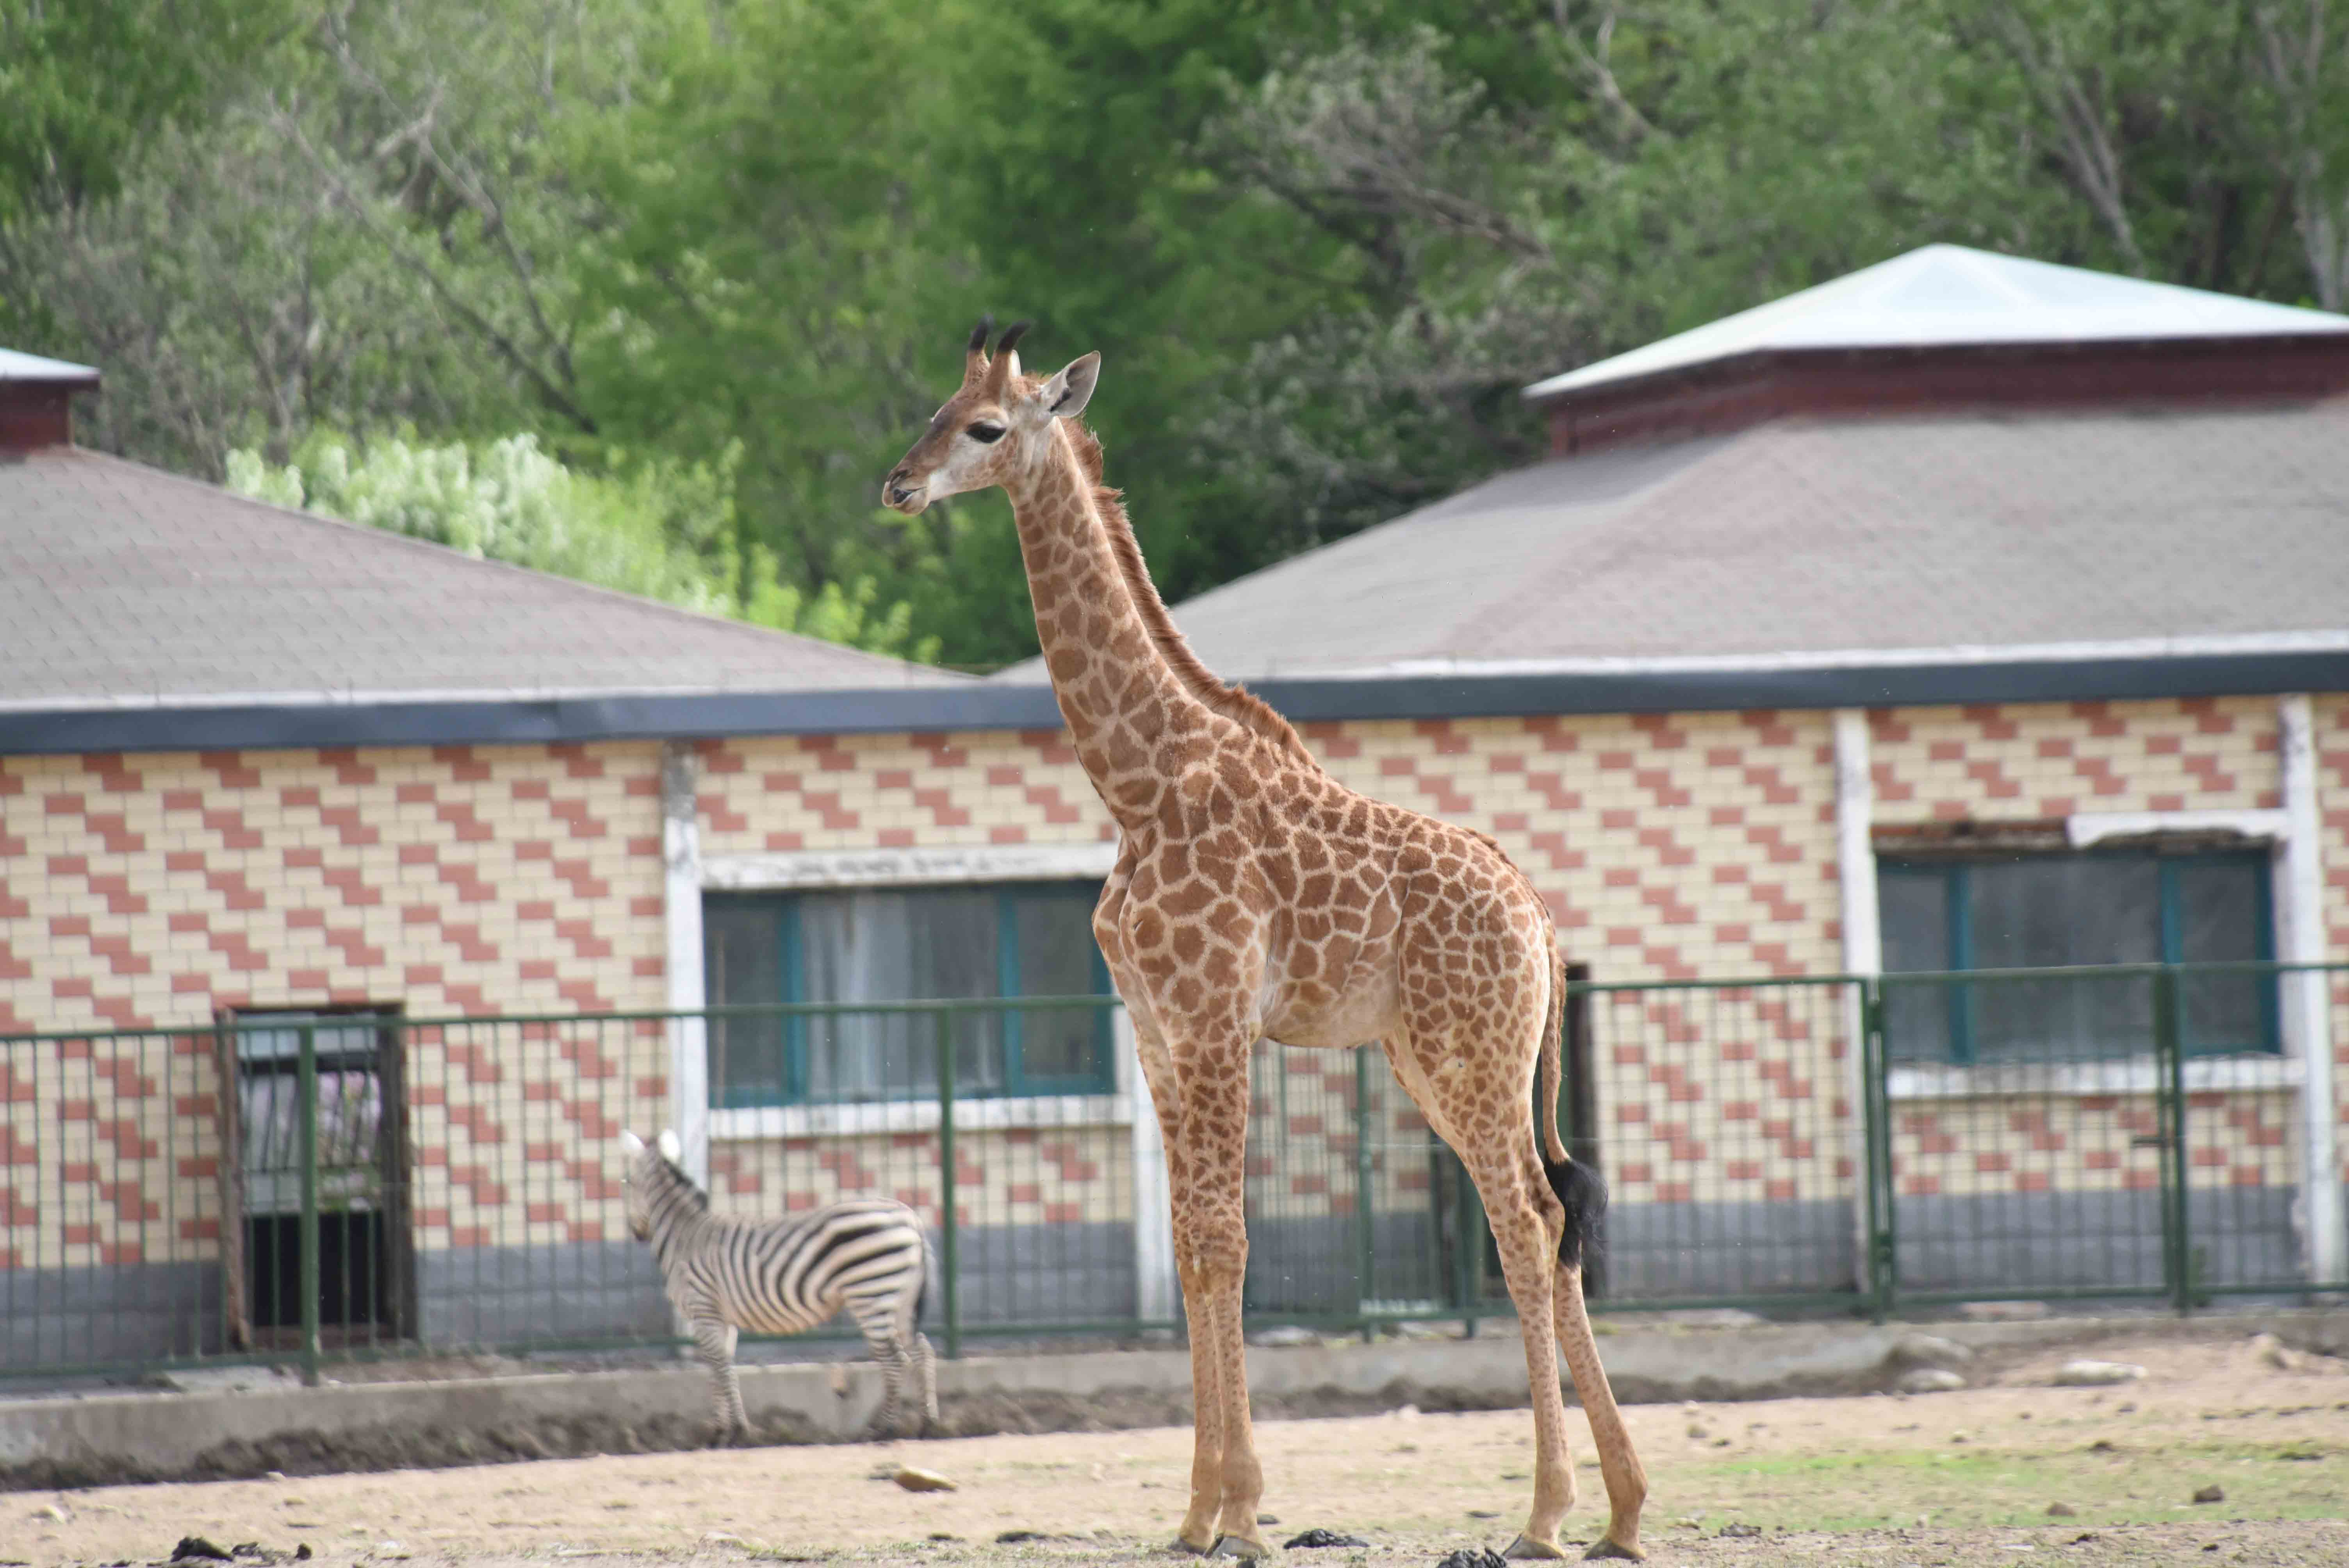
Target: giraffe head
<point>998,423</point>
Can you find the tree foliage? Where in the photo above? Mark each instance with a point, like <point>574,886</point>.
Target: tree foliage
<point>670,238</point>
<point>662,530</point>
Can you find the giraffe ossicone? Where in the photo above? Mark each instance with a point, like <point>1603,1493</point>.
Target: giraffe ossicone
<point>1256,897</point>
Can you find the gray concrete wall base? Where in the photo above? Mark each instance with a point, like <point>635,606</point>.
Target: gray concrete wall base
<point>65,1440</point>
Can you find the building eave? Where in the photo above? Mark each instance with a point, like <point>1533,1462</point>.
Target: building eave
<point>1930,678</point>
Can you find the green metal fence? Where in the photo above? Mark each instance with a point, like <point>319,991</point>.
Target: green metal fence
<point>303,1187</point>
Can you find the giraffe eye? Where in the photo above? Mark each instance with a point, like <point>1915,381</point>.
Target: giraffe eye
<point>985,433</point>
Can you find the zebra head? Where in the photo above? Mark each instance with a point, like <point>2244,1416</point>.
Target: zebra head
<point>644,1163</point>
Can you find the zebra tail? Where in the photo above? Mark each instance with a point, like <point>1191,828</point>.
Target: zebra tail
<point>929,1270</point>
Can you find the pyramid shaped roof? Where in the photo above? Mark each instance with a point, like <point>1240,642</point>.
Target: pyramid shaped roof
<point>20,366</point>
<point>1950,295</point>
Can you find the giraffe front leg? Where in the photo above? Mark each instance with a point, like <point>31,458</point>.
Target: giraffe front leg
<point>1196,1535</point>
<point>1215,1121</point>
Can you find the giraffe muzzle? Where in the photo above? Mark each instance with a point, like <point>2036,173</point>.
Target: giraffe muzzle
<point>899,494</point>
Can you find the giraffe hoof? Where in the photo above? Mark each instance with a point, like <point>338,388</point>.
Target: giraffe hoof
<point>1183,1548</point>
<point>1608,1546</point>
<point>1524,1551</point>
<point>1234,1546</point>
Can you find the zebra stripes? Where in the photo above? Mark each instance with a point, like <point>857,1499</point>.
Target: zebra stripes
<point>868,1256</point>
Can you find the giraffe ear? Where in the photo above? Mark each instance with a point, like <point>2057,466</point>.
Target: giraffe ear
<point>1064,396</point>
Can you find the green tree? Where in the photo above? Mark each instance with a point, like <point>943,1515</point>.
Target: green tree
<point>84,85</point>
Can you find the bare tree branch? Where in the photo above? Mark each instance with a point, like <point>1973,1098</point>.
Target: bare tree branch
<point>2298,68</point>
<point>1594,63</point>
<point>2063,94</point>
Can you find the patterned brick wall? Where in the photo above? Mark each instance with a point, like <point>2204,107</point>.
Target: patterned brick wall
<point>1016,1176</point>
<point>139,890</point>
<point>778,794</point>
<point>2053,759</point>
<point>2088,1143</point>
<point>1671,846</point>
<point>148,890</point>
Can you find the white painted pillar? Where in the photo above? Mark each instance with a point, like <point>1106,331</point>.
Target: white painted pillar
<point>689,1038</point>
<point>1863,948</point>
<point>1155,1291</point>
<point>2307,1011</point>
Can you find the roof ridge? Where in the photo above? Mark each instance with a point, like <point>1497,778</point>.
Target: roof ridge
<point>449,553</point>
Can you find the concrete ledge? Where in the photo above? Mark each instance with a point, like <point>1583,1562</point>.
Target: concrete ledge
<point>97,1439</point>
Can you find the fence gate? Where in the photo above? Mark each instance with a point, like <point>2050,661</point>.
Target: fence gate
<point>2055,1135</point>
<point>317,1250</point>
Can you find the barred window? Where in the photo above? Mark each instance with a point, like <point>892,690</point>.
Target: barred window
<point>892,944</point>
<point>2045,911</point>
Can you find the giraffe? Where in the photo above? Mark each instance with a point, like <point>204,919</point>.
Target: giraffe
<point>1254,897</point>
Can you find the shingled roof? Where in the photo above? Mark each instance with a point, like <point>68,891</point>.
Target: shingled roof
<point>123,585</point>
<point>1839,543</point>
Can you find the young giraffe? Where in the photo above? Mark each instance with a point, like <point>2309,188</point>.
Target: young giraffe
<point>1254,897</point>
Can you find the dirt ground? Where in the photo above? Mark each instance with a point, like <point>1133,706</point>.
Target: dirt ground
<point>1960,1478</point>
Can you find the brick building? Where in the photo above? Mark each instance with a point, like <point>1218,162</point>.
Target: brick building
<point>1963,613</point>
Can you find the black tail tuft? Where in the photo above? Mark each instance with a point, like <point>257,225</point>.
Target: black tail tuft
<point>1584,1193</point>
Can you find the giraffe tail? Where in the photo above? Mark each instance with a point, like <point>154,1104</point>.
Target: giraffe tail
<point>1583,1191</point>
<point>1553,1048</point>
<point>1579,1187</point>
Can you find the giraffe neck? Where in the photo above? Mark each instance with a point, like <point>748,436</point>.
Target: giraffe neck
<point>1124,703</point>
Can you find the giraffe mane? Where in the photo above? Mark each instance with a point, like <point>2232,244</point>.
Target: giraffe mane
<point>1235,703</point>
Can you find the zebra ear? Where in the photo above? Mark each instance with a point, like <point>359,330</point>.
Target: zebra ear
<point>631,1142</point>
<point>671,1149</point>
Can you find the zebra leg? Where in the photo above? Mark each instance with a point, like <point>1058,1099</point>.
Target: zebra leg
<point>716,1342</point>
<point>876,1320</point>
<point>893,1378</point>
<point>926,1372</point>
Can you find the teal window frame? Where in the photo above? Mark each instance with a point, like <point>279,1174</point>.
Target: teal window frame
<point>1016,1082</point>
<point>1955,875</point>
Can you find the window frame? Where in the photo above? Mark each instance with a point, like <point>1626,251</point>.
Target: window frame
<point>1955,869</point>
<point>1016,1083</point>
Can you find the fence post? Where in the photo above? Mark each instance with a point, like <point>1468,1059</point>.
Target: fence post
<point>2169,1093</point>
<point>1882,1263</point>
<point>1467,1243</point>
<point>306,1141</point>
<point>1365,1251</point>
<point>950,1259</point>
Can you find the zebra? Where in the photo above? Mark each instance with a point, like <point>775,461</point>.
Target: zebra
<point>870,1256</point>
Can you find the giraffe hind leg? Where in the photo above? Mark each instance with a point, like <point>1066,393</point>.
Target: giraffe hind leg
<point>1527,1245</point>
<point>1585,1197</point>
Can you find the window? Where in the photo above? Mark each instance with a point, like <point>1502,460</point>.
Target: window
<point>895,944</point>
<point>2033,911</point>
